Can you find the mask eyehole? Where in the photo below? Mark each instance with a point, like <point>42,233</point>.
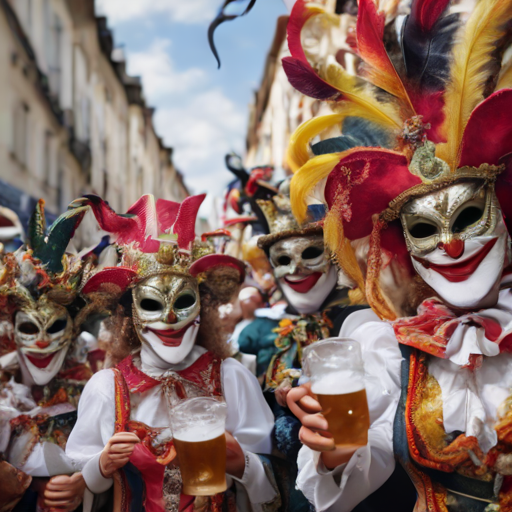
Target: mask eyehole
<point>284,260</point>
<point>422,230</point>
<point>28,328</point>
<point>466,218</point>
<point>185,301</point>
<point>311,253</point>
<point>151,305</point>
<point>57,326</point>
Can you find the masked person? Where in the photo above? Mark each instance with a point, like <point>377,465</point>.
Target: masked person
<point>38,290</point>
<point>436,200</point>
<point>167,325</point>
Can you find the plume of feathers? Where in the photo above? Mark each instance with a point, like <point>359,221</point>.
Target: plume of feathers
<point>378,67</point>
<point>471,70</point>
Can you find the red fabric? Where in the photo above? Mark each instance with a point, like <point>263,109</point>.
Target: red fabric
<point>153,475</point>
<point>217,260</point>
<point>364,182</point>
<point>185,225</point>
<point>136,380</point>
<point>431,329</point>
<point>488,134</point>
<point>392,240</point>
<point>118,277</point>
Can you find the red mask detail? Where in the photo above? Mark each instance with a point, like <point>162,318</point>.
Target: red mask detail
<point>41,362</point>
<point>454,249</point>
<point>170,337</point>
<point>464,269</point>
<point>305,284</point>
<point>42,344</point>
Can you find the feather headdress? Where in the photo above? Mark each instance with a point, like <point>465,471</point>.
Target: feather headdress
<point>412,120</point>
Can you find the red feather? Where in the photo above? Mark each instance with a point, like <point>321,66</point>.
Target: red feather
<point>378,66</point>
<point>426,12</point>
<point>297,68</point>
<point>166,212</point>
<point>185,225</point>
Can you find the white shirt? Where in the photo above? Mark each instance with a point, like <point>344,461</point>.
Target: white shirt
<point>249,419</point>
<point>344,487</point>
<point>471,401</point>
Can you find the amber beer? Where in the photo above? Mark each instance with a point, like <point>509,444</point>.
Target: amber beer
<point>348,417</point>
<point>202,464</point>
<point>335,369</point>
<point>198,426</point>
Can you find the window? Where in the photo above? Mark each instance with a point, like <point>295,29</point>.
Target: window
<point>20,133</point>
<point>47,157</point>
<point>53,42</point>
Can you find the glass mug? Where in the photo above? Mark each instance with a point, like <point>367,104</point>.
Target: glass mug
<point>198,426</point>
<point>335,369</point>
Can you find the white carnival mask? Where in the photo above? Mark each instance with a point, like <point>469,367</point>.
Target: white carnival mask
<point>166,315</point>
<point>459,243</point>
<point>43,334</point>
<point>303,270</point>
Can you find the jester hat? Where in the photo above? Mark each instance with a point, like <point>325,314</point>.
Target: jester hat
<point>155,238</point>
<point>428,108</point>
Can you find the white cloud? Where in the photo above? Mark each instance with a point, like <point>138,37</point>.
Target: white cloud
<point>160,79</point>
<point>198,121</point>
<point>183,11</point>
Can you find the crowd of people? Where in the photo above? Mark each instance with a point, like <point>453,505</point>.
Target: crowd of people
<point>393,236</point>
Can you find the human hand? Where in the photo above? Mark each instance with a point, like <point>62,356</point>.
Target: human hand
<point>281,393</point>
<point>64,493</point>
<point>235,458</point>
<point>314,432</point>
<point>117,452</point>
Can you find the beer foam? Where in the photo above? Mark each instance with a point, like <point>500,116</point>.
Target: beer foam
<point>337,383</point>
<point>197,433</point>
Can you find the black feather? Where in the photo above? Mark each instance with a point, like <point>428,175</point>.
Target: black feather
<point>427,55</point>
<point>221,18</point>
<point>234,164</point>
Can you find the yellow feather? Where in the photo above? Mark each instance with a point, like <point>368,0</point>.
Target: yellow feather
<point>352,88</point>
<point>298,148</point>
<point>469,74</point>
<point>305,179</point>
<point>505,78</point>
<point>341,248</point>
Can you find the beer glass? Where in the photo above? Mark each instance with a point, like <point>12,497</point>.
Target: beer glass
<point>335,369</point>
<point>198,426</point>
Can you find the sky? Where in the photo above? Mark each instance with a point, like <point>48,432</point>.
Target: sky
<point>201,112</point>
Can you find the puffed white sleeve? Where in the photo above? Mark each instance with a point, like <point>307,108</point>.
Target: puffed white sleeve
<point>94,427</point>
<point>251,421</point>
<point>344,487</point>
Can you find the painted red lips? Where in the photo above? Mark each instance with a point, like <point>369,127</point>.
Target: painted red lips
<point>41,362</point>
<point>461,271</point>
<point>304,285</point>
<point>170,337</point>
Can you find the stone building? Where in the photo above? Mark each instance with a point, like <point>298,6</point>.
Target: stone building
<point>71,120</point>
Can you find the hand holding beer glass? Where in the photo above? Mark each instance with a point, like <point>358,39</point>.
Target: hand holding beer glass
<point>335,389</point>
<point>198,426</point>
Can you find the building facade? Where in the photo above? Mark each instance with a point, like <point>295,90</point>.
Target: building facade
<point>71,120</point>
